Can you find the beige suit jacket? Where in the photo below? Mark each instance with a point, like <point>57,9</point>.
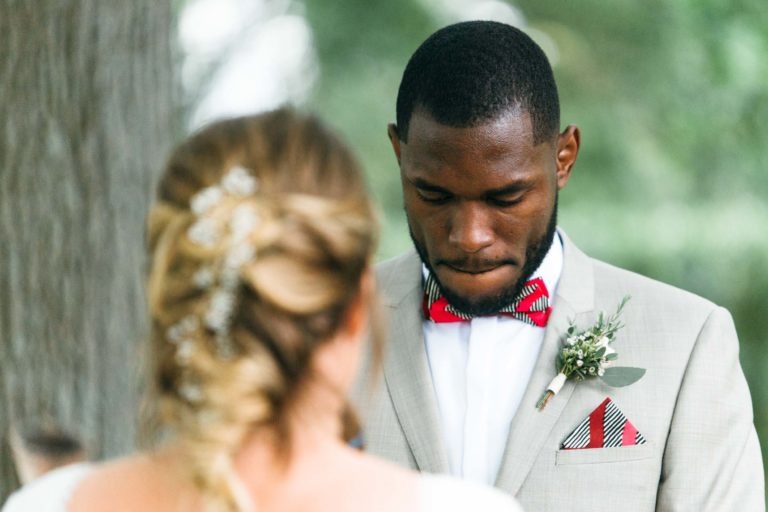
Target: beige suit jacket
<point>692,406</point>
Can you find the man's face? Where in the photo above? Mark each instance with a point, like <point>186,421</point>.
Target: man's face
<point>481,203</point>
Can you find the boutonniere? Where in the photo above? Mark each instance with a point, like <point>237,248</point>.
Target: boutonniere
<point>588,354</point>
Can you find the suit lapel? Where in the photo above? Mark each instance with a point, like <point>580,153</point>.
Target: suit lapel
<point>574,300</point>
<point>406,369</point>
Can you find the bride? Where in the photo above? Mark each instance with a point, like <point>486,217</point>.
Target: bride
<point>260,294</point>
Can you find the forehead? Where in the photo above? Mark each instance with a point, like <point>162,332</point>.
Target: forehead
<point>495,150</point>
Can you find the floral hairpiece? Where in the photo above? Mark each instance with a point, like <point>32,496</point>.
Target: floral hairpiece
<point>222,277</point>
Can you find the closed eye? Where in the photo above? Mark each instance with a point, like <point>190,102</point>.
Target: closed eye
<point>430,193</point>
<point>504,202</point>
<point>433,196</point>
<point>508,196</point>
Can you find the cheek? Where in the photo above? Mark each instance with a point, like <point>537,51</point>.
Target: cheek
<point>526,224</point>
<point>425,228</point>
<point>426,222</point>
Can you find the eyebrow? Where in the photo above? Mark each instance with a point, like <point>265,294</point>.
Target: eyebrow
<point>510,188</point>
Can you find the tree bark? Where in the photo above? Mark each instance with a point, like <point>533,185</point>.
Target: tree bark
<point>86,119</point>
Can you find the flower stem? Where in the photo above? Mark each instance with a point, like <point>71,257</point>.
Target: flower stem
<point>544,400</point>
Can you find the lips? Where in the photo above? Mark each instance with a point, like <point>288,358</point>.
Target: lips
<point>472,270</point>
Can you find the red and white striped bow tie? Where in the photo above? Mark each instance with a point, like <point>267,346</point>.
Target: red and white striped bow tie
<point>531,305</point>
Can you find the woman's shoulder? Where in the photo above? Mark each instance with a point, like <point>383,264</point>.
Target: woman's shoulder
<point>447,494</point>
<point>49,493</point>
<point>152,480</point>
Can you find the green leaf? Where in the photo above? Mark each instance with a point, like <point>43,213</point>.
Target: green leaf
<point>612,356</point>
<point>620,376</point>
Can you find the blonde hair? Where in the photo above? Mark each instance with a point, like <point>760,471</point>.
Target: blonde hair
<point>314,239</point>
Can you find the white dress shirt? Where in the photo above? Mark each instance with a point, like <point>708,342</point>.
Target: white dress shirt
<point>480,370</point>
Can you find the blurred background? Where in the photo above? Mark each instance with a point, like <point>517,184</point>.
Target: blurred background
<point>671,97</point>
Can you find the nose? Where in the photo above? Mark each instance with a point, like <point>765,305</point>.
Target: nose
<point>471,228</point>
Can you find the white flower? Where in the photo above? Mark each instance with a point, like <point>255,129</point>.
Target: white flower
<point>224,346</point>
<point>600,371</point>
<point>179,331</point>
<point>174,333</point>
<point>229,277</point>
<point>184,352</point>
<point>189,323</point>
<point>244,219</point>
<point>204,278</point>
<point>239,256</point>
<point>240,182</point>
<point>191,392</point>
<point>204,232</point>
<point>206,199</point>
<point>219,310</point>
<point>579,363</point>
<point>603,341</point>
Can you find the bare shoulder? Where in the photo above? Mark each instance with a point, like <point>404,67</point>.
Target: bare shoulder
<point>380,485</point>
<point>447,494</point>
<point>389,487</point>
<point>146,481</point>
<point>49,493</point>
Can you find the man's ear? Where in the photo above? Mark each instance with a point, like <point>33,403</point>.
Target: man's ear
<point>394,139</point>
<point>567,151</point>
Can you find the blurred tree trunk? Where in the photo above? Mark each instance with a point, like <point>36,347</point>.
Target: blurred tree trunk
<point>86,118</point>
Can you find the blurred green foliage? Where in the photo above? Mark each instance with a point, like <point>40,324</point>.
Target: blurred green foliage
<point>672,101</point>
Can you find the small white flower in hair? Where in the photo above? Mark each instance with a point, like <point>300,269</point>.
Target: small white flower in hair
<point>239,256</point>
<point>229,278</point>
<point>244,220</point>
<point>219,310</point>
<point>174,334</point>
<point>184,352</point>
<point>204,278</point>
<point>189,323</point>
<point>239,181</point>
<point>204,232</point>
<point>206,199</point>
<point>182,329</point>
<point>224,346</point>
<point>191,392</point>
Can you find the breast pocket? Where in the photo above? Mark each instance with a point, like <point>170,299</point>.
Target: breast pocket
<point>604,455</point>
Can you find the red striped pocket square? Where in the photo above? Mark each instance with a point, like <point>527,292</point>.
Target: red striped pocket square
<point>605,427</point>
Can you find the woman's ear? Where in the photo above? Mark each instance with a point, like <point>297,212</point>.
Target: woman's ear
<point>339,358</point>
<point>357,315</point>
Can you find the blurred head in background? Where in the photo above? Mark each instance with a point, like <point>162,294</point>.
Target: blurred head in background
<point>38,452</point>
<point>482,160</point>
<point>261,243</point>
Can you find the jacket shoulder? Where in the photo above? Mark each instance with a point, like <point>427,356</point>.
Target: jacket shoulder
<point>398,276</point>
<point>609,278</point>
<point>658,306</point>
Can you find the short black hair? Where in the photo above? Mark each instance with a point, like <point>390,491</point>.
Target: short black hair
<point>474,71</point>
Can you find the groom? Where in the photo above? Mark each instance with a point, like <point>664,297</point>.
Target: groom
<point>479,312</point>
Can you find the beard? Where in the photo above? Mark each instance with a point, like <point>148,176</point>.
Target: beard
<point>484,306</point>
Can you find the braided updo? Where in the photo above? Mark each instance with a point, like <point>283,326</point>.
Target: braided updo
<point>231,341</point>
